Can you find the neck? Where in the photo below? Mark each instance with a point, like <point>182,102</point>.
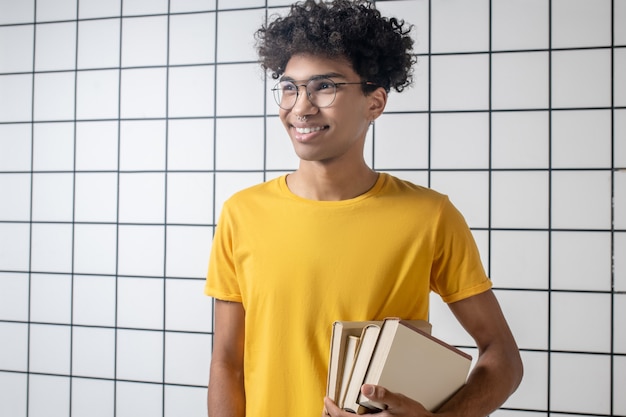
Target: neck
<point>325,183</point>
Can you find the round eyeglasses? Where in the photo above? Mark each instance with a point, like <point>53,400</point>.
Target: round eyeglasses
<point>320,91</point>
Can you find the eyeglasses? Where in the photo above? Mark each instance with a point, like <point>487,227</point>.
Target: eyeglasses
<point>320,91</point>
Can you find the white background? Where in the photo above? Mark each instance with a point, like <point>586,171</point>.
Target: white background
<point>125,125</point>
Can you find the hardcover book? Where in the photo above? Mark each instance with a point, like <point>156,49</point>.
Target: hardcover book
<point>414,363</point>
<point>352,346</point>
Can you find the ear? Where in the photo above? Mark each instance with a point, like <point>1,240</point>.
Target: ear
<point>377,103</point>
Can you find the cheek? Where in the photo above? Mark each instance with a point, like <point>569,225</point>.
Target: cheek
<point>282,114</point>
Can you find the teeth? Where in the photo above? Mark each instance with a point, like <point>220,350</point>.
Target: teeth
<point>308,129</point>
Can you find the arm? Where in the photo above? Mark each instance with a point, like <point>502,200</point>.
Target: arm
<point>226,396</point>
<point>496,375</point>
<point>498,370</point>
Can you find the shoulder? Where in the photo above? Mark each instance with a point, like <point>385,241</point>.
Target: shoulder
<point>253,194</point>
<point>400,189</point>
<point>261,201</point>
<point>433,207</point>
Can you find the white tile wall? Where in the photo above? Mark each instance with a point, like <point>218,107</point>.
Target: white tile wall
<point>124,125</point>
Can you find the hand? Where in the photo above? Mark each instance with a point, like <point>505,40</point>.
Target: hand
<point>397,404</point>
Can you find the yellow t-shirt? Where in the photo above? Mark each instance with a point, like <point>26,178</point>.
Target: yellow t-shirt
<point>298,265</point>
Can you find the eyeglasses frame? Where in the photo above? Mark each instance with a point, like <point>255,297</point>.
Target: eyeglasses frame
<point>308,94</point>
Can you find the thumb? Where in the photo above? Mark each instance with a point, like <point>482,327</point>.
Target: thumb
<point>373,392</point>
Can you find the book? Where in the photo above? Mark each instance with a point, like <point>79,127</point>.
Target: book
<point>352,346</point>
<point>346,339</point>
<point>341,331</point>
<point>414,363</point>
<point>361,360</point>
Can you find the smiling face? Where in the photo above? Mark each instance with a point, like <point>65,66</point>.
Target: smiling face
<point>336,132</point>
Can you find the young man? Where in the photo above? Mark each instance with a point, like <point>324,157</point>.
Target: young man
<point>335,240</point>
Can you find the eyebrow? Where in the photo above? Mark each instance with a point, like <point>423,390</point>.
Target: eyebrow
<point>317,76</point>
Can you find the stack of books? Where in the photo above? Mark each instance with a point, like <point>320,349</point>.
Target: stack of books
<point>400,355</point>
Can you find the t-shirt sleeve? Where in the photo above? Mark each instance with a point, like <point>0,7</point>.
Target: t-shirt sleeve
<point>222,282</point>
<point>457,271</point>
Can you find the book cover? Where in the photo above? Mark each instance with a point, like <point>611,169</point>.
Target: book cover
<point>414,363</point>
<point>346,373</point>
<point>341,331</point>
<point>352,347</point>
<point>359,368</point>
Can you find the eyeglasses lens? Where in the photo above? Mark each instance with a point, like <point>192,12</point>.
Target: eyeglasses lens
<point>320,91</point>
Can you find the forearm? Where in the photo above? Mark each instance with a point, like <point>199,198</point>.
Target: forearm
<point>494,378</point>
<point>499,368</point>
<point>226,395</point>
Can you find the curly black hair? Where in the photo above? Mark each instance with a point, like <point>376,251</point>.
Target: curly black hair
<point>378,48</point>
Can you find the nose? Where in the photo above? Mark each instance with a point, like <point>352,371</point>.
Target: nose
<point>303,104</point>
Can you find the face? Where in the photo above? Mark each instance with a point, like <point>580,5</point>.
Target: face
<point>336,132</point>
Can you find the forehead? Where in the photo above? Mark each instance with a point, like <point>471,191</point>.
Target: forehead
<point>304,67</point>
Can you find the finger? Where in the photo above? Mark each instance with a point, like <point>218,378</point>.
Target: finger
<point>374,392</point>
<point>381,395</point>
<point>395,403</point>
<point>330,408</point>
